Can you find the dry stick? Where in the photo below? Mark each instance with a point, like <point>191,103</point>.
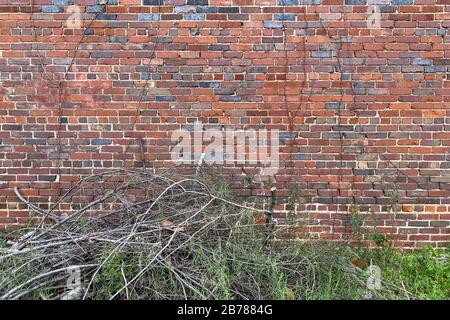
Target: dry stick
<point>39,285</point>
<point>85,208</point>
<point>10,292</point>
<point>79,212</point>
<point>124,279</point>
<point>109,172</point>
<point>35,208</point>
<point>81,181</point>
<point>19,268</point>
<point>54,244</point>
<point>141,145</point>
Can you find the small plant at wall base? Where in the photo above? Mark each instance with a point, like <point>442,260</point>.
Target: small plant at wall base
<point>356,222</point>
<point>379,239</point>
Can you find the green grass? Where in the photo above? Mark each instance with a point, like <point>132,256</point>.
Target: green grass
<point>425,273</point>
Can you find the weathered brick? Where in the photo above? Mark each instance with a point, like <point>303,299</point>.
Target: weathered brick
<point>97,142</point>
<point>62,2</point>
<point>197,2</point>
<point>95,9</point>
<point>321,54</point>
<point>299,156</point>
<point>101,54</point>
<point>152,2</point>
<point>356,2</point>
<point>228,9</point>
<point>148,17</point>
<point>52,9</point>
<point>120,39</point>
<point>439,62</point>
<point>334,106</point>
<point>421,62</point>
<point>402,2</point>
<point>194,16</point>
<point>284,16</point>
<point>273,25</point>
<point>106,16</point>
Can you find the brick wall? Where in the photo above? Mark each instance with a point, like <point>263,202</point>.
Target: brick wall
<point>363,112</point>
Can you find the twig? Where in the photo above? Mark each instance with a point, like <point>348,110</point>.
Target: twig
<point>36,209</point>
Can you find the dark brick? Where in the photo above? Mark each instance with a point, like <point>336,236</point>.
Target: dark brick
<point>439,62</point>
<point>107,16</point>
<point>97,142</point>
<point>153,2</point>
<point>197,2</point>
<point>228,9</point>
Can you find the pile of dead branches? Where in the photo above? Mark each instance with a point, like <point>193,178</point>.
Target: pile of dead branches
<point>138,235</point>
<point>128,213</point>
